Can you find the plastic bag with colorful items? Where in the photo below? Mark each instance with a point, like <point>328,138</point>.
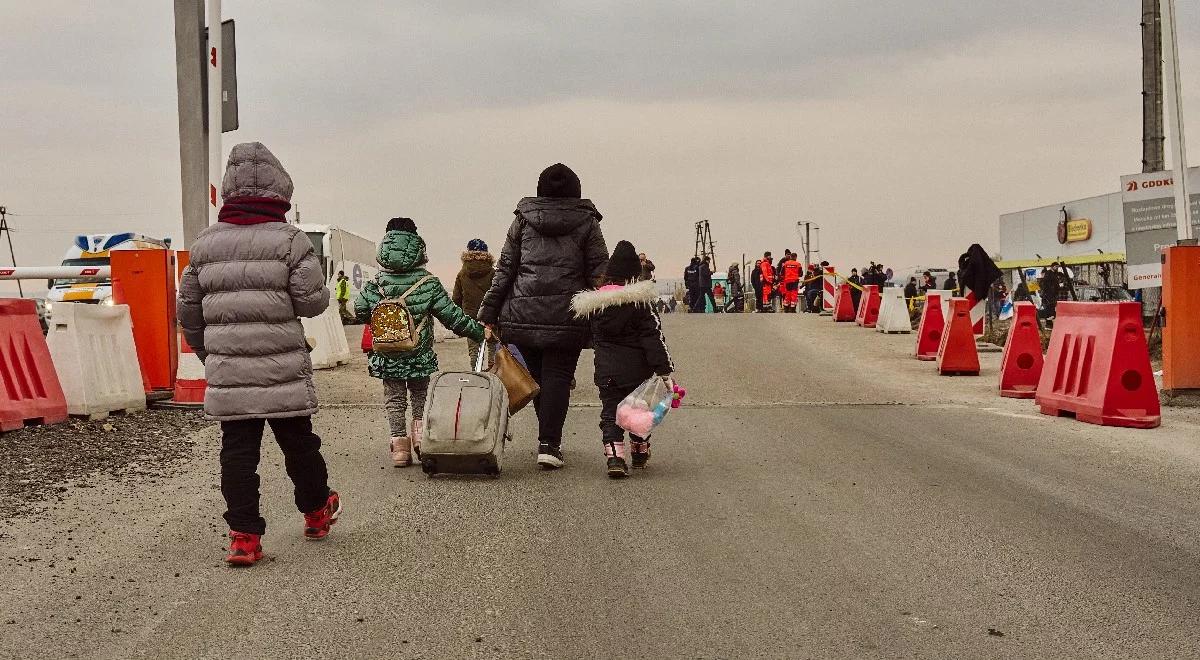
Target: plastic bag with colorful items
<point>647,406</point>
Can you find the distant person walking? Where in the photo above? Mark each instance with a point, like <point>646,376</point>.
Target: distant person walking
<point>737,299</point>
<point>790,274</point>
<point>813,287</point>
<point>707,301</point>
<point>250,276</point>
<point>554,249</point>
<point>855,283</point>
<point>343,298</point>
<point>767,271</point>
<point>472,282</point>
<point>691,285</point>
<point>1050,288</point>
<point>756,285</point>
<point>647,268</point>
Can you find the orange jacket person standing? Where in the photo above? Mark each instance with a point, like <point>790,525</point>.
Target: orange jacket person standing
<point>791,284</point>
<point>768,279</point>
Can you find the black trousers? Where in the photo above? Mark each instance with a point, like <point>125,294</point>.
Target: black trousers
<point>610,397</point>
<point>241,442</point>
<point>553,368</point>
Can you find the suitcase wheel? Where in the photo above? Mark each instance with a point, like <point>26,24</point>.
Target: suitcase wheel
<point>428,466</point>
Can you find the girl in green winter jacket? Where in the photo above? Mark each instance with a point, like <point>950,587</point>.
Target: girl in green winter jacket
<point>406,375</point>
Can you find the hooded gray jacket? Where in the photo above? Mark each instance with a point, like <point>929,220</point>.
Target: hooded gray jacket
<point>239,300</point>
<point>554,250</point>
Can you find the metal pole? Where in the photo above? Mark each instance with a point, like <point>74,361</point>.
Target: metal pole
<point>215,160</point>
<point>193,149</point>
<point>1183,219</point>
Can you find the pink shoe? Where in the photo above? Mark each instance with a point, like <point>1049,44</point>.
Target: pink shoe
<point>400,448</point>
<point>418,430</point>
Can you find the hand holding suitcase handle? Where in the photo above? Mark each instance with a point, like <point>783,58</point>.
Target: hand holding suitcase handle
<point>489,337</point>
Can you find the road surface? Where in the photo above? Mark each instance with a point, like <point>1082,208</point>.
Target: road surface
<point>821,495</point>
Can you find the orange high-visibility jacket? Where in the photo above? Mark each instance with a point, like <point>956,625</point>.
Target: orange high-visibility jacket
<point>768,273</point>
<point>791,271</point>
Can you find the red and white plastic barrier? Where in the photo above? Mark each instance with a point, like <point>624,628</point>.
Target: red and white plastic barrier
<point>829,284</point>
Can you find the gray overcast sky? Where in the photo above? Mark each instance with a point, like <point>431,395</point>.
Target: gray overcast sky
<point>903,128</point>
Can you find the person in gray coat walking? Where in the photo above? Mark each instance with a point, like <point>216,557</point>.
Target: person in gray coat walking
<point>251,275</point>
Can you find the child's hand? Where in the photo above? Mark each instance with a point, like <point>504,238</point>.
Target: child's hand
<point>489,334</point>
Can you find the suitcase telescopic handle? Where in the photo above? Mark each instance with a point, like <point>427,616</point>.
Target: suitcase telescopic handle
<point>483,349</point>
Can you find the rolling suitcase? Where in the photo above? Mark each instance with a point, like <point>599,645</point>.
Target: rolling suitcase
<point>466,422</point>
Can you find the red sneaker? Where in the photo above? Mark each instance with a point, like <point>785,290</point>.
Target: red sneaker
<point>244,549</point>
<point>317,523</point>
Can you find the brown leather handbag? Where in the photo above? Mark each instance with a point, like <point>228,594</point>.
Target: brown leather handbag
<point>516,378</point>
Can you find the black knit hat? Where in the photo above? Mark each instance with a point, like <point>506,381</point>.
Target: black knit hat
<point>559,181</point>
<point>402,224</point>
<point>624,264</point>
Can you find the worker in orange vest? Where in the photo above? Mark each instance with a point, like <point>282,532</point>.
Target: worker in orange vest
<point>768,280</point>
<point>790,271</point>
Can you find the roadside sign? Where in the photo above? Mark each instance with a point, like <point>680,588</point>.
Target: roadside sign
<point>229,98</point>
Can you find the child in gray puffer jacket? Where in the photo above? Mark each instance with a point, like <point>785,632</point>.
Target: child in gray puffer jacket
<point>250,275</point>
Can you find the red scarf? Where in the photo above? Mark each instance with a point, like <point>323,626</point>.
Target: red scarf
<point>253,210</point>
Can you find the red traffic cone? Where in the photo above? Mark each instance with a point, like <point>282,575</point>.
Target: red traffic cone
<point>868,307</point>
<point>1021,366</point>
<point>843,305</point>
<point>929,333</point>
<point>957,354</point>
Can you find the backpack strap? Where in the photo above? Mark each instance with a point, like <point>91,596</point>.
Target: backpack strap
<point>412,288</point>
<point>404,296</point>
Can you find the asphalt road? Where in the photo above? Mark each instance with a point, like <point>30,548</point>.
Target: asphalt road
<point>822,495</point>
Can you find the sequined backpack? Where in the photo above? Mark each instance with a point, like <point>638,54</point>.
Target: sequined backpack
<point>393,329</point>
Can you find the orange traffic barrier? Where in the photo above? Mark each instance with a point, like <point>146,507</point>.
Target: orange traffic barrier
<point>1021,366</point>
<point>868,307</point>
<point>145,280</point>
<point>843,304</point>
<point>29,387</point>
<point>1098,366</point>
<point>1181,310</point>
<point>929,332</point>
<point>957,354</point>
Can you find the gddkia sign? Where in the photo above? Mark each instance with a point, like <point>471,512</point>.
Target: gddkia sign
<point>1149,205</point>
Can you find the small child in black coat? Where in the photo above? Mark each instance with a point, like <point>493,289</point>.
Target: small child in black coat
<point>629,345</point>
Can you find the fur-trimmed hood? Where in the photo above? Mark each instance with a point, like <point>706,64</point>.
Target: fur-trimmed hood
<point>476,255</point>
<point>478,265</point>
<point>588,303</point>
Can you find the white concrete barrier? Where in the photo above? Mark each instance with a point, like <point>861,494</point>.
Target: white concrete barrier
<point>94,354</point>
<point>329,338</point>
<point>893,312</point>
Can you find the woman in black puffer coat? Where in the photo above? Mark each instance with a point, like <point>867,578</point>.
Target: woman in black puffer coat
<point>553,250</point>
